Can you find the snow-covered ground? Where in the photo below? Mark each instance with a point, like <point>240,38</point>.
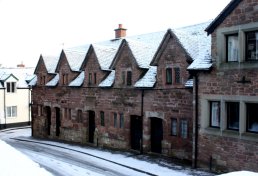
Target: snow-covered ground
<point>14,163</point>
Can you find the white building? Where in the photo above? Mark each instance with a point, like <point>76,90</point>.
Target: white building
<point>15,96</point>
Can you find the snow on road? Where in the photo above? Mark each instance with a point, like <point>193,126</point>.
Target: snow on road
<point>14,163</point>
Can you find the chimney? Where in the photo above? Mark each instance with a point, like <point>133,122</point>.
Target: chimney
<point>120,31</point>
<point>21,65</point>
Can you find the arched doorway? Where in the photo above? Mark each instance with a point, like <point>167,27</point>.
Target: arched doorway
<point>91,126</point>
<point>136,132</point>
<point>48,120</point>
<point>58,121</point>
<point>156,134</point>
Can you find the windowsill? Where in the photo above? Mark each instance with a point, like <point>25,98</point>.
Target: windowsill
<point>238,65</point>
<point>231,133</point>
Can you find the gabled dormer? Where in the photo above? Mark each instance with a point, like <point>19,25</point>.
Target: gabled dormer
<point>172,61</point>
<point>44,70</point>
<point>64,73</point>
<point>9,81</point>
<point>92,69</point>
<point>127,71</point>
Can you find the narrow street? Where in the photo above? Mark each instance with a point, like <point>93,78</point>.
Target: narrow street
<point>66,160</point>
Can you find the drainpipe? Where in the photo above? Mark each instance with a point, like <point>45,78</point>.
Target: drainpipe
<point>4,108</point>
<point>196,122</point>
<point>29,109</point>
<point>142,103</point>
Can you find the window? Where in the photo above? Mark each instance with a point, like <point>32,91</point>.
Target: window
<point>95,78</point>
<point>11,111</point>
<point>232,48</point>
<point>67,113</point>
<point>252,46</point>
<point>215,114</point>
<point>168,76</point>
<point>90,79</point>
<point>123,77</point>
<point>11,86</point>
<point>174,127</point>
<point>42,80</point>
<point>129,78</point>
<point>115,120</point>
<point>102,118</point>
<point>65,79</point>
<point>252,117</point>
<point>233,115</point>
<point>184,128</point>
<point>79,116</point>
<point>121,120</point>
<point>40,110</point>
<point>177,75</point>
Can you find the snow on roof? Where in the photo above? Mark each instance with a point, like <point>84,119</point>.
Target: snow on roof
<point>109,80</point>
<point>22,74</point>
<point>197,44</point>
<point>145,46</point>
<point>51,63</point>
<point>33,82</point>
<point>78,81</point>
<point>149,79</point>
<point>76,56</point>
<point>105,55</point>
<point>189,83</point>
<point>54,81</point>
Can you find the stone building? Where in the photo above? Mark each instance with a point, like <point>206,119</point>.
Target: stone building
<point>226,94</point>
<point>129,93</point>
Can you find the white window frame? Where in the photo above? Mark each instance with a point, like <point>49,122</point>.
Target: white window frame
<point>11,111</point>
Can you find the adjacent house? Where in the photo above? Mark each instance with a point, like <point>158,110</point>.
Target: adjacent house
<point>129,93</point>
<point>15,96</point>
<point>226,94</point>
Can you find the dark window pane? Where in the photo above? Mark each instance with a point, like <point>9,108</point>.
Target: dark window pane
<point>214,114</point>
<point>252,117</point>
<point>90,78</point>
<point>115,120</point>
<point>129,78</point>
<point>102,118</point>
<point>177,75</point>
<point>184,129</point>
<point>13,87</point>
<point>252,45</point>
<point>121,120</point>
<point>8,87</point>
<point>233,115</point>
<point>168,76</point>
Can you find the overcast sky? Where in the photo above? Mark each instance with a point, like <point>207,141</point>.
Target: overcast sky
<point>33,27</point>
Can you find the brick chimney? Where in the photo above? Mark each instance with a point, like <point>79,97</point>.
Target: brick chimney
<point>21,65</point>
<point>120,31</point>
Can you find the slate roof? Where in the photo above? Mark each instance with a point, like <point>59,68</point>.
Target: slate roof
<point>23,75</point>
<point>193,39</point>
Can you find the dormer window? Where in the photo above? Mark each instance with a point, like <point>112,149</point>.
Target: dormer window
<point>232,48</point>
<point>65,79</point>
<point>11,87</point>
<point>129,78</point>
<point>168,75</point>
